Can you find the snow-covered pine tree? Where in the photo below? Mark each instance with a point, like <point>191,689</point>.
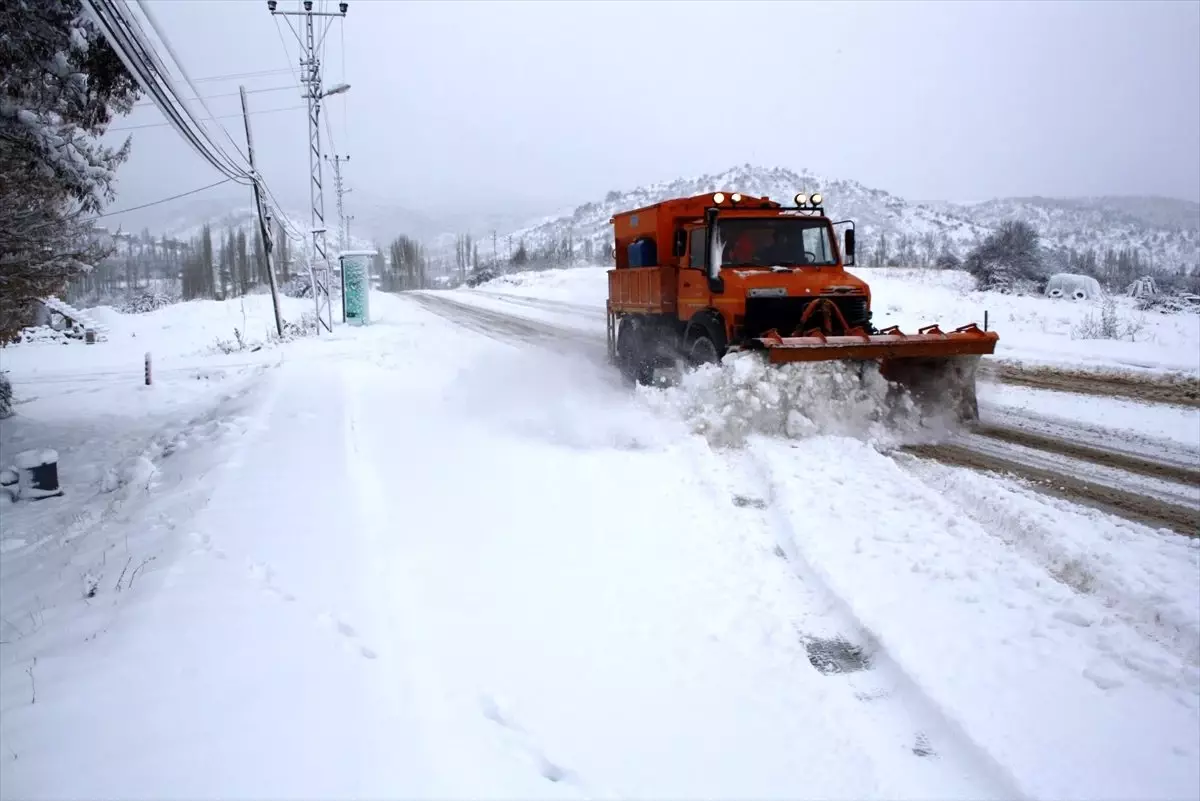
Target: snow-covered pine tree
<point>60,84</point>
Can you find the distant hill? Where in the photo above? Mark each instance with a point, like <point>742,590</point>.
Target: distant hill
<point>891,229</point>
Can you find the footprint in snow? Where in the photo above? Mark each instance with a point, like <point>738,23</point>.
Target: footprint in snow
<point>326,620</point>
<point>549,770</point>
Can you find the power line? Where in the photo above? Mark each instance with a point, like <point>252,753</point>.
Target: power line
<point>132,51</point>
<point>224,94</point>
<point>288,55</point>
<point>159,202</point>
<point>240,75</point>
<point>146,64</point>
<point>220,117</point>
<point>345,96</point>
<point>140,58</point>
<point>196,92</point>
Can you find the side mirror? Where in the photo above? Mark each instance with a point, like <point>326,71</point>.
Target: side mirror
<point>849,246</point>
<point>716,282</point>
<point>680,248</point>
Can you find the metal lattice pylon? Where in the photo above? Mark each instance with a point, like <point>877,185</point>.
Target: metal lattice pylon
<point>318,262</point>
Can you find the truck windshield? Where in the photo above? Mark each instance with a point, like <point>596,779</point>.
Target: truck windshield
<point>771,241</point>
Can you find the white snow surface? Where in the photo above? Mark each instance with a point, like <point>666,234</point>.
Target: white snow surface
<point>408,560</point>
<point>1034,330</point>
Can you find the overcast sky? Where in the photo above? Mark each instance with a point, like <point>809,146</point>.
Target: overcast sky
<point>548,104</point>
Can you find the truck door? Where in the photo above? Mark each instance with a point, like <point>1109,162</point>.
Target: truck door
<point>693,281</point>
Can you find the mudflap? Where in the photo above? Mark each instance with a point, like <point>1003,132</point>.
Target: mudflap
<point>939,387</point>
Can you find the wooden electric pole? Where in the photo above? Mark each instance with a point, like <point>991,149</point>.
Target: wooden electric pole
<point>262,220</point>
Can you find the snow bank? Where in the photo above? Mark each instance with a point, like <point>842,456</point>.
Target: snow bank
<point>587,285</point>
<point>1035,329</point>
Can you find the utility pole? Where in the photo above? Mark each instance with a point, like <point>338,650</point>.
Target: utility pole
<point>263,223</point>
<point>338,188</point>
<point>310,65</point>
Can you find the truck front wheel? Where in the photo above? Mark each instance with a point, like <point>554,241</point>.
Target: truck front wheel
<point>705,342</point>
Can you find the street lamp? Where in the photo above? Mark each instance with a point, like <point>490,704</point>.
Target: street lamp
<point>336,90</point>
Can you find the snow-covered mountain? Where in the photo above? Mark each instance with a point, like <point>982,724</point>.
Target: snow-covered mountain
<point>1167,230</point>
<point>873,210</point>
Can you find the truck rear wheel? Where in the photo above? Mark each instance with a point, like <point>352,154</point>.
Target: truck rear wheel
<point>643,346</point>
<point>628,348</point>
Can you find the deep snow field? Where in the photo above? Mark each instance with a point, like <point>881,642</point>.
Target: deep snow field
<point>416,560</point>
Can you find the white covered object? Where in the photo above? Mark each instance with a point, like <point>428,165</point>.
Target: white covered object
<point>1073,287</point>
<point>1144,287</point>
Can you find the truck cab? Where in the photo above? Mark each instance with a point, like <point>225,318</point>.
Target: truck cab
<point>697,276</point>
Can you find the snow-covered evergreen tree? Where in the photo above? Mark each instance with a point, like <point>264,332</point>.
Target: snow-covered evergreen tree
<point>60,84</point>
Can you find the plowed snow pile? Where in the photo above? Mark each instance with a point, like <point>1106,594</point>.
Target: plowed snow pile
<point>744,395</point>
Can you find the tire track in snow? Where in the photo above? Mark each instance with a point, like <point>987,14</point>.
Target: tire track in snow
<point>1117,442</point>
<point>901,717</point>
<point>1174,390</point>
<point>1056,482</point>
<point>508,328</point>
<point>1105,457</point>
<point>1040,540</point>
<point>1048,682</point>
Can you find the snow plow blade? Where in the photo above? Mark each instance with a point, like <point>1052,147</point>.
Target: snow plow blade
<point>891,343</point>
<point>936,368</point>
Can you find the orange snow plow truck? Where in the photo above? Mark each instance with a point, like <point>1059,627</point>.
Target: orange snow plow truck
<point>698,277</point>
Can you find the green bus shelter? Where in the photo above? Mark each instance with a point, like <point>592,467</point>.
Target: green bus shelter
<point>356,285</point>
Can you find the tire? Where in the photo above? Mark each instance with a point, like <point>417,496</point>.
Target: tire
<point>702,350</point>
<point>636,350</point>
<point>628,348</point>
<point>704,342</point>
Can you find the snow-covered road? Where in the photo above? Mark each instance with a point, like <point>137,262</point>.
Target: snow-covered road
<point>451,555</point>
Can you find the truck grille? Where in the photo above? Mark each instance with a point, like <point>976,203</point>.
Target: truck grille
<point>783,314</point>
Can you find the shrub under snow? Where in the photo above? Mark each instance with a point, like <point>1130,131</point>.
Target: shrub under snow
<point>6,397</point>
<point>146,302</point>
